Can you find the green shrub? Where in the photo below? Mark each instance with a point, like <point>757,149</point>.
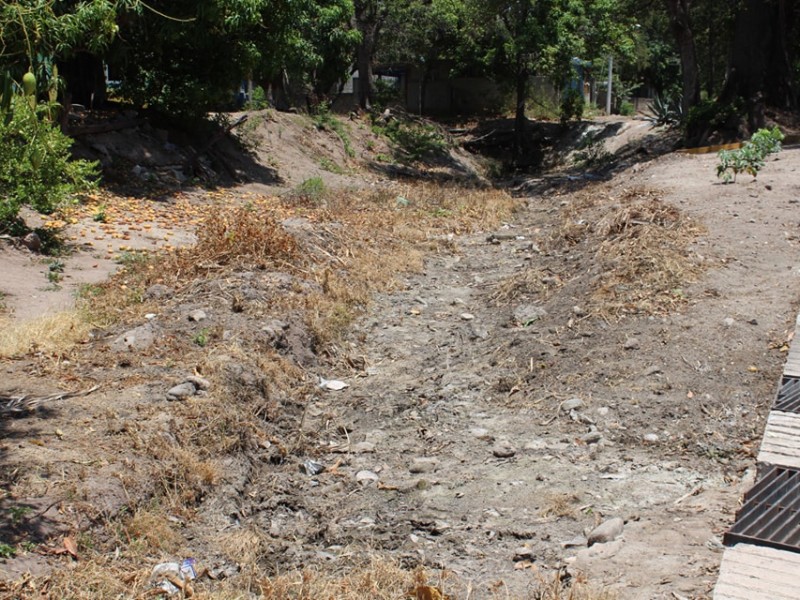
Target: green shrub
<point>258,99</point>
<point>709,114</point>
<point>35,165</point>
<point>626,108</point>
<point>312,189</point>
<point>413,141</point>
<point>572,105</point>
<point>750,157</point>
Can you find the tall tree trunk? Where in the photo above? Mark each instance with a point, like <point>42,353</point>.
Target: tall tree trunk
<point>368,20</point>
<point>759,67</point>
<point>681,25</point>
<point>423,87</point>
<point>519,114</point>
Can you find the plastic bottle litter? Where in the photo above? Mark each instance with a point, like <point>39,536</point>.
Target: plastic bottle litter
<point>173,578</point>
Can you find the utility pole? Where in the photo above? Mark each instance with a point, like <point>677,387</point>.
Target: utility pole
<point>608,87</point>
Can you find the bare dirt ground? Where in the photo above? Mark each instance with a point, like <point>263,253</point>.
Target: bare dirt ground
<point>528,383</point>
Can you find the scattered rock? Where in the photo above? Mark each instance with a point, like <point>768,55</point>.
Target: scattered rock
<point>504,449</point>
<point>593,437</point>
<point>476,332</point>
<point>139,338</point>
<point>526,314</point>
<point>536,445</point>
<point>32,242</point>
<point>631,344</point>
<point>182,391</point>
<point>576,542</point>
<point>199,382</point>
<point>650,438</point>
<point>439,527</point>
<point>333,385</point>
<point>365,477</point>
<point>606,532</point>
<point>524,553</point>
<point>481,433</point>
<point>423,465</point>
<point>498,236</point>
<point>312,467</point>
<point>364,448</point>
<point>578,311</point>
<point>654,370</point>
<point>729,321</point>
<point>468,316</point>
<point>602,411</point>
<point>197,316</point>
<point>571,404</point>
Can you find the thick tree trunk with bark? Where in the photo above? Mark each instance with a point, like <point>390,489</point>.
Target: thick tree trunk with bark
<point>681,25</point>
<point>519,114</point>
<point>368,20</point>
<point>759,68</point>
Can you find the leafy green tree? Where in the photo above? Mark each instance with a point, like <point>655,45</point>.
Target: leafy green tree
<point>188,56</point>
<point>368,20</point>
<point>423,33</point>
<point>521,38</point>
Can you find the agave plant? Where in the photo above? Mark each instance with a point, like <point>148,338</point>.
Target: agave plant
<point>666,111</point>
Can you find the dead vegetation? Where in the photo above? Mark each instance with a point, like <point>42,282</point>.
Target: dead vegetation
<point>641,248</point>
<point>51,335</point>
<point>324,263</point>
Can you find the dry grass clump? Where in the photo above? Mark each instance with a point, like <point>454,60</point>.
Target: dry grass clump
<point>560,505</point>
<point>92,577</point>
<point>179,475</point>
<point>640,246</point>
<point>51,334</point>
<point>149,530</point>
<point>379,580</point>
<point>530,283</point>
<point>557,589</point>
<point>244,236</point>
<point>644,257</point>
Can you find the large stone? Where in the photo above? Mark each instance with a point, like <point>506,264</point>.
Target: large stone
<point>33,242</point>
<point>140,338</point>
<point>571,404</point>
<point>607,531</point>
<point>504,449</point>
<point>182,391</point>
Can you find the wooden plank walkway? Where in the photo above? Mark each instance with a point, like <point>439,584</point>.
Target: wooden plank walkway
<point>781,443</point>
<point>758,573</point>
<point>750,572</point>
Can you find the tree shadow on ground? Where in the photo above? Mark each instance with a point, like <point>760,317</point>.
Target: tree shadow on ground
<point>565,156</point>
<point>149,158</point>
<point>25,522</point>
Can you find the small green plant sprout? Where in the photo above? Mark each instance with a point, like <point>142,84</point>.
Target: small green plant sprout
<point>100,214</point>
<point>18,513</point>
<point>55,271</point>
<point>7,551</point>
<point>201,339</point>
<point>750,157</point>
